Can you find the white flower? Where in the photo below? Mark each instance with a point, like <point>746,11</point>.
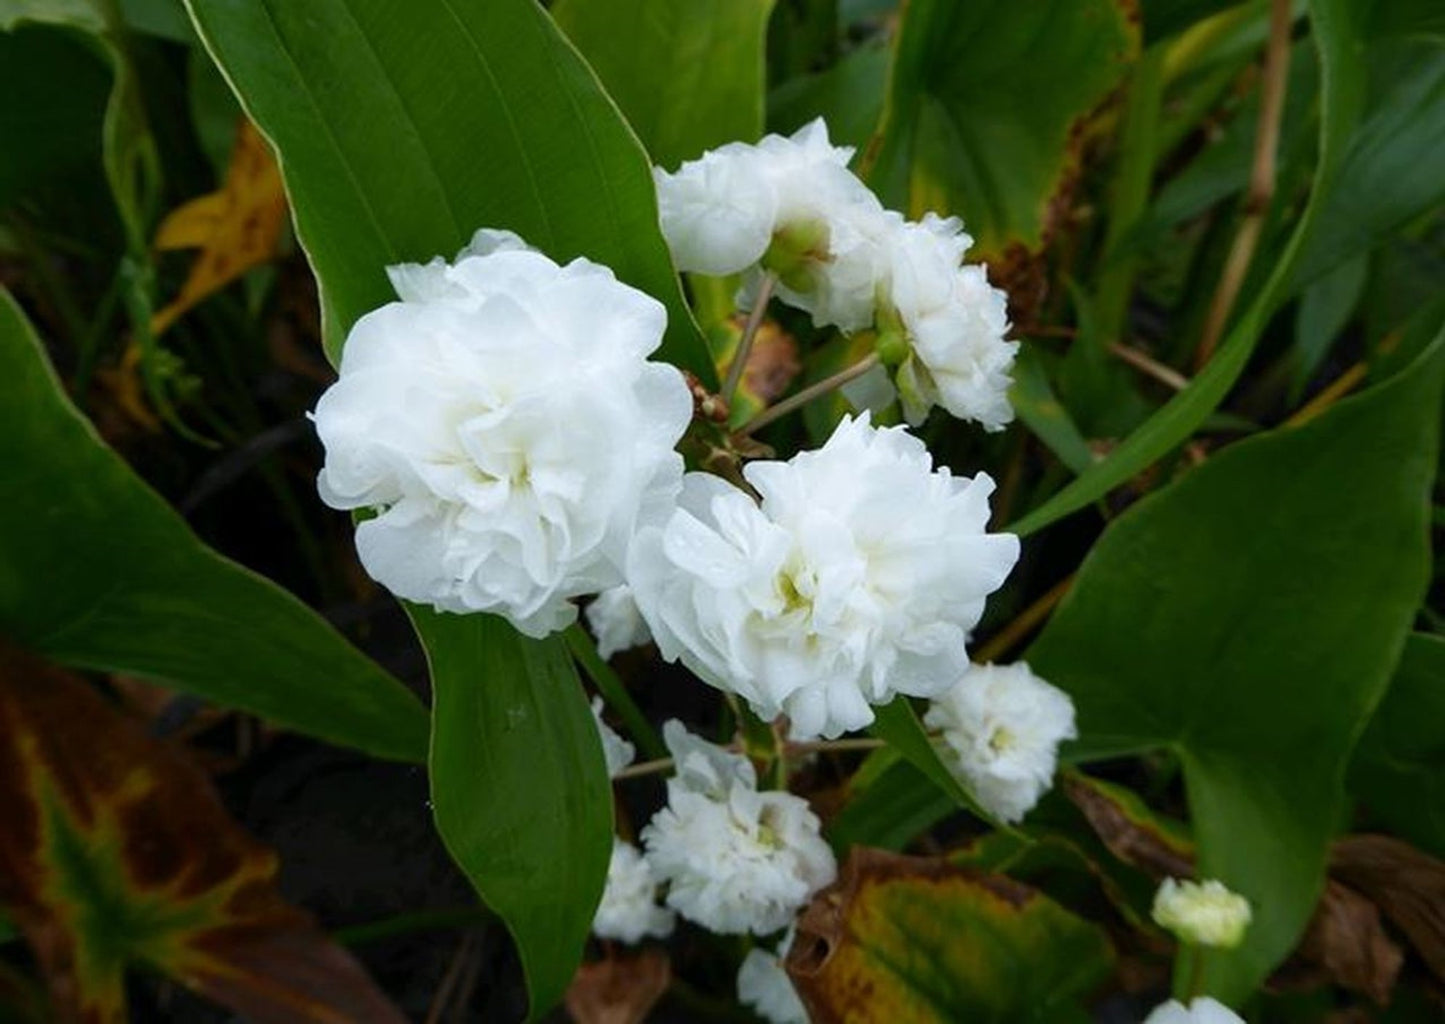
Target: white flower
<point>618,752</point>
<point>787,205</point>
<point>735,860</point>
<point>506,426</point>
<point>1202,913</point>
<point>952,320</point>
<point>1003,724</point>
<point>616,622</point>
<point>857,578</point>
<point>629,908</point>
<point>764,985</point>
<point>1201,1011</point>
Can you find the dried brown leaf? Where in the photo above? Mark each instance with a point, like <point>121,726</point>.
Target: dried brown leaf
<point>621,989</point>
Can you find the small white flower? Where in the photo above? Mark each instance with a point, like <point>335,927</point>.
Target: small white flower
<point>786,205</point>
<point>616,622</point>
<point>505,424</point>
<point>1003,726</point>
<point>857,578</point>
<point>764,985</point>
<point>735,860</point>
<point>1202,913</point>
<point>1201,1011</point>
<point>952,320</point>
<point>629,909</point>
<point>618,752</point>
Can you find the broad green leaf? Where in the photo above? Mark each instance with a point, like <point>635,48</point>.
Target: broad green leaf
<point>97,571</point>
<point>1334,25</point>
<point>688,74</point>
<point>519,786</point>
<point>960,136</point>
<point>923,941</point>
<point>848,96</point>
<point>1247,618</point>
<point>126,856</point>
<point>400,135</point>
<point>1324,310</point>
<point>1399,767</point>
<point>397,137</point>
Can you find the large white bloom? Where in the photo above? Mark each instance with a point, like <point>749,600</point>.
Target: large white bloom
<point>952,320</point>
<point>1203,913</point>
<point>1201,1011</point>
<point>629,908</point>
<point>857,578</point>
<point>505,424</point>
<point>764,985</point>
<point>1003,726</point>
<point>616,622</point>
<point>618,752</point>
<point>735,859</point>
<point>789,205</point>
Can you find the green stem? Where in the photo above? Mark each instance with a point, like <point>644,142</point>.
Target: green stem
<point>614,692</point>
<point>745,344</point>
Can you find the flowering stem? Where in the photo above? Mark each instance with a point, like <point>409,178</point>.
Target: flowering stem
<point>812,391</point>
<point>835,746</point>
<point>633,771</point>
<point>1195,985</point>
<point>1144,364</point>
<point>745,344</point>
<point>1007,638</point>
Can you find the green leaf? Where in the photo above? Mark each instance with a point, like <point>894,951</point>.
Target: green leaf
<point>891,811</point>
<point>1163,18</point>
<point>398,136</point>
<point>848,96</point>
<point>49,133</point>
<point>924,941</point>
<point>401,135</point>
<point>960,136</point>
<point>897,725</point>
<point>97,571</point>
<point>1399,767</point>
<point>1335,27</point>
<point>688,74</point>
<point>519,786</point>
<point>1248,618</point>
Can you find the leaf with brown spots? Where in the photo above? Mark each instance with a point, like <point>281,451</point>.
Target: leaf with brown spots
<point>1131,831</point>
<point>619,990</point>
<point>920,940</point>
<point>237,227</point>
<point>116,851</point>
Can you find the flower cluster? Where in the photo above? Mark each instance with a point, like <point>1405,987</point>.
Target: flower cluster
<point>503,422</point>
<point>764,985</point>
<point>736,859</point>
<point>856,577</point>
<point>629,911</point>
<point>1202,913</point>
<point>1003,726</point>
<point>789,209</point>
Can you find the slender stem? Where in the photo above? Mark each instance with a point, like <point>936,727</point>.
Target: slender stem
<point>812,391</point>
<point>1146,364</point>
<point>835,746</point>
<point>1007,638</point>
<point>1261,181</point>
<point>1337,389</point>
<point>745,344</point>
<point>613,691</point>
<point>1194,987</point>
<point>633,771</point>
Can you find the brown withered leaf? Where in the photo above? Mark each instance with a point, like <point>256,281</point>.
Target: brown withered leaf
<point>919,939</point>
<point>1129,829</point>
<point>1408,886</point>
<point>237,227</point>
<point>621,989</point>
<point>1346,939</point>
<point>117,851</point>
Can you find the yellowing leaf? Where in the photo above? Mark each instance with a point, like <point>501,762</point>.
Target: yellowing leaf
<point>921,940</point>
<point>236,227</point>
<point>117,851</point>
